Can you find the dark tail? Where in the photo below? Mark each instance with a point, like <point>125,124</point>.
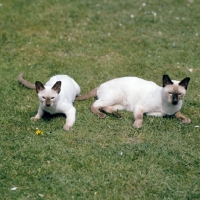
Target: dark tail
<point>91,94</point>
<point>24,82</point>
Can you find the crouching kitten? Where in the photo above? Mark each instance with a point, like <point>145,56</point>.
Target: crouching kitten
<point>56,96</point>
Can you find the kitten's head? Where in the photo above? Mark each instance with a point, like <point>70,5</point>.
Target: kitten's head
<point>175,90</point>
<point>47,95</point>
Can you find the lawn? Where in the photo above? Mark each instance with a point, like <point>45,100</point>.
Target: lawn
<point>95,41</point>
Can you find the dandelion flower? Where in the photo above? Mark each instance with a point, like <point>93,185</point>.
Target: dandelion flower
<point>39,132</point>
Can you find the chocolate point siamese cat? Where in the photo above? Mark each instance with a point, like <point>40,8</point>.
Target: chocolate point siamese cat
<point>140,97</point>
<point>56,96</point>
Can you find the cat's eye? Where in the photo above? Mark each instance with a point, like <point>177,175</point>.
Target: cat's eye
<point>43,97</point>
<point>52,97</point>
<point>169,93</point>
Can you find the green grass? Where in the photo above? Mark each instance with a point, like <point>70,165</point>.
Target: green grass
<point>95,41</point>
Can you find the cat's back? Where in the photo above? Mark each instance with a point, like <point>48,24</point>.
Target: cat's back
<point>65,79</point>
<point>68,84</point>
<point>133,88</point>
<point>128,91</point>
<point>130,82</point>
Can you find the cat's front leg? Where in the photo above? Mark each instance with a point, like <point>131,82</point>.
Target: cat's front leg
<point>182,118</point>
<point>138,116</point>
<point>70,118</point>
<point>39,114</point>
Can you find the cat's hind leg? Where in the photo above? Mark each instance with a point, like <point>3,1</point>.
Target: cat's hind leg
<point>97,106</point>
<point>96,111</point>
<point>106,102</point>
<point>113,110</point>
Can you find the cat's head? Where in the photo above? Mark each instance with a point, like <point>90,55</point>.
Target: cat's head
<point>174,90</point>
<point>47,95</point>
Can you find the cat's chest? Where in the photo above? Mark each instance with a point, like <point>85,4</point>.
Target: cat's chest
<point>171,110</point>
<point>59,107</point>
<point>51,109</point>
<point>156,114</point>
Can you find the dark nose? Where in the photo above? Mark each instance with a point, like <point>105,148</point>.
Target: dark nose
<point>47,105</point>
<point>175,99</point>
<point>175,102</point>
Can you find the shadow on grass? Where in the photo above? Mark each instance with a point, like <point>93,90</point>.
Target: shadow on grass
<point>48,117</point>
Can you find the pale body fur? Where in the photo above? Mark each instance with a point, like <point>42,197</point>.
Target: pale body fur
<point>55,98</point>
<point>138,96</point>
<point>141,96</point>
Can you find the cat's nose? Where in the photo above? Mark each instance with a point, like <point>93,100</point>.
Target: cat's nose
<point>175,102</point>
<point>48,105</point>
<point>175,99</point>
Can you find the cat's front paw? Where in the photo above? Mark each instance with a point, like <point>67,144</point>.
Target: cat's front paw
<point>35,118</point>
<point>137,124</point>
<point>186,120</point>
<point>66,127</point>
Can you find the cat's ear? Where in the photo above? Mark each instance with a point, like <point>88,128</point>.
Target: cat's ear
<point>57,87</point>
<point>184,83</point>
<point>39,86</point>
<point>166,80</point>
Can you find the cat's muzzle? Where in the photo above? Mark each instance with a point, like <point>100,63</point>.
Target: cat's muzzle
<point>174,99</point>
<point>48,102</point>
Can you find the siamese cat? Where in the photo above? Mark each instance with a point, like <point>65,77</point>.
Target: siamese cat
<point>140,97</point>
<point>56,96</point>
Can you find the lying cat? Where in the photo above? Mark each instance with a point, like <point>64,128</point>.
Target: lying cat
<point>56,96</point>
<point>140,97</point>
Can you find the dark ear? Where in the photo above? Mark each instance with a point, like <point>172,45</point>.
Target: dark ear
<point>166,80</point>
<point>184,83</point>
<point>39,86</point>
<point>57,87</point>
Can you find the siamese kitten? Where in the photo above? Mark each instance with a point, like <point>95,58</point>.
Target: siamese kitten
<point>56,96</point>
<point>140,97</point>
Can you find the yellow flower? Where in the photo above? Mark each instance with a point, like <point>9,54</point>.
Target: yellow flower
<point>39,132</point>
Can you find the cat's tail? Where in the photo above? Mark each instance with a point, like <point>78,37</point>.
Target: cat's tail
<point>91,94</point>
<point>25,82</point>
